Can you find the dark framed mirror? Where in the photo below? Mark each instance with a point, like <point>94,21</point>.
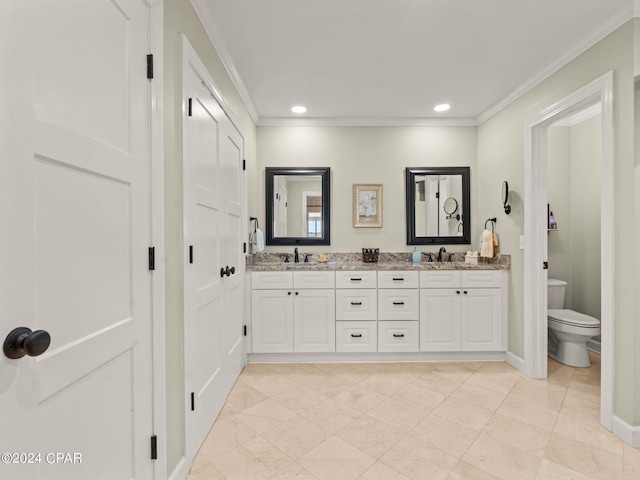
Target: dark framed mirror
<point>438,205</point>
<point>298,202</point>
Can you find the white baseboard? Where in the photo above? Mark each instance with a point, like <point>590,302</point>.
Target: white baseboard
<point>375,357</point>
<point>628,433</point>
<point>181,471</point>
<point>515,361</point>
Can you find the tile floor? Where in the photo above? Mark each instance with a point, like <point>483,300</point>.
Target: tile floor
<point>427,421</point>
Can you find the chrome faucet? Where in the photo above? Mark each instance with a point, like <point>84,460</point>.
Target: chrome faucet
<point>296,257</point>
<point>440,252</point>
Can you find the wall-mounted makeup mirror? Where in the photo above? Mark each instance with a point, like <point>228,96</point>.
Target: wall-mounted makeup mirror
<point>437,205</point>
<point>505,197</point>
<point>298,206</point>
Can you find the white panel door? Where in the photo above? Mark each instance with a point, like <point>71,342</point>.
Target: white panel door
<point>272,321</point>
<point>204,204</point>
<point>214,266</point>
<point>481,319</point>
<point>314,313</point>
<point>232,255</point>
<point>74,238</point>
<point>440,320</point>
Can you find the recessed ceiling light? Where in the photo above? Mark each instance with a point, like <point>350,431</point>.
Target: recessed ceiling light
<point>299,109</point>
<point>443,107</point>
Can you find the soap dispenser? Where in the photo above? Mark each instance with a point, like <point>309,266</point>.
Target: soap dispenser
<point>416,256</point>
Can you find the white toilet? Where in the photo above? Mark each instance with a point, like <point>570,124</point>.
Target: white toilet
<point>569,331</point>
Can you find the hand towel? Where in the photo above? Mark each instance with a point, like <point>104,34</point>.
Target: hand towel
<point>487,244</point>
<point>258,246</point>
<point>495,239</point>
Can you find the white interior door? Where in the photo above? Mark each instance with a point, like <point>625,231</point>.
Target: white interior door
<point>74,238</point>
<point>214,273</point>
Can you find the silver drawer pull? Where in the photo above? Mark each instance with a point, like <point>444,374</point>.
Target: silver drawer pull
<point>398,335</point>
<point>356,335</point>
<point>356,303</point>
<point>398,303</point>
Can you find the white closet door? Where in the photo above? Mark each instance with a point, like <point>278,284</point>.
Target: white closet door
<point>214,266</point>
<point>74,177</point>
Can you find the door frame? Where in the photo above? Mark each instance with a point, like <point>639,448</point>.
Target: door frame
<point>535,232</point>
<point>156,125</point>
<point>191,60</point>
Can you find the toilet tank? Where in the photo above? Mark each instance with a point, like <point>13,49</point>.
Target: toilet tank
<point>555,293</point>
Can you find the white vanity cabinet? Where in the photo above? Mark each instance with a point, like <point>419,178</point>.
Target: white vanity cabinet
<point>356,311</point>
<point>398,309</point>
<point>293,311</point>
<point>462,310</point>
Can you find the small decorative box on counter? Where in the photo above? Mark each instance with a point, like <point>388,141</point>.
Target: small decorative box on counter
<point>471,258</point>
<point>370,255</point>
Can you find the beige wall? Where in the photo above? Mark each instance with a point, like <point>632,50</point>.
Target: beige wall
<point>179,17</point>
<point>500,156</point>
<point>366,155</point>
<point>574,174</point>
<point>586,168</point>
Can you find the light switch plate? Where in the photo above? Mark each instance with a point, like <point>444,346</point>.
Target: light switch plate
<point>521,242</point>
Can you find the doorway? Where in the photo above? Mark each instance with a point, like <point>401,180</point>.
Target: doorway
<point>536,223</point>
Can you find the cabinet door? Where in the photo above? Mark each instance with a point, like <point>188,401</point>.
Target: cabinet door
<point>481,319</point>
<point>272,321</point>
<point>315,321</point>
<point>440,320</point>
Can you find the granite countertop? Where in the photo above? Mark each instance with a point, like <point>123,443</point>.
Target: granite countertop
<point>391,261</point>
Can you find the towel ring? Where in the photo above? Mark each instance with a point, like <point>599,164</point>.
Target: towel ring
<point>493,223</point>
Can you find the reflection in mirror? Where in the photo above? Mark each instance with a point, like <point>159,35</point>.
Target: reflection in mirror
<point>297,206</point>
<point>437,203</point>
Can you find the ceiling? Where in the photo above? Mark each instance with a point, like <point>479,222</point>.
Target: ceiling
<point>391,61</point>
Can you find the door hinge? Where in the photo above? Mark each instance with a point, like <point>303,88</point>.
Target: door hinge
<point>244,164</point>
<point>545,265</point>
<point>189,110</point>
<point>152,258</point>
<point>190,253</point>
<point>154,447</point>
<point>150,66</point>
<point>244,247</point>
<point>193,401</point>
<point>244,330</point>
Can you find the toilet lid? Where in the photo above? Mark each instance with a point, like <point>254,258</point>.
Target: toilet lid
<point>570,317</point>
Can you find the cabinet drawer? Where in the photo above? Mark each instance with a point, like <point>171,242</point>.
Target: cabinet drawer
<point>397,279</point>
<point>271,280</point>
<point>356,336</point>
<point>398,304</point>
<point>481,278</point>
<point>440,279</point>
<point>398,336</point>
<point>356,304</point>
<point>314,279</point>
<point>356,279</point>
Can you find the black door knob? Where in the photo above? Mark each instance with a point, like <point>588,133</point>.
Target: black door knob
<point>233,270</point>
<point>22,341</point>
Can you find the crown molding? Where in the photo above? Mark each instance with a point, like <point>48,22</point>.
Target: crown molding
<point>218,43</point>
<point>365,122</point>
<point>615,21</point>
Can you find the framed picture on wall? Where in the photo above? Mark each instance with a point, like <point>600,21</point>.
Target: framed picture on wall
<point>367,205</point>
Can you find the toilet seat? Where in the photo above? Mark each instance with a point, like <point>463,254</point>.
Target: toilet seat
<point>573,318</point>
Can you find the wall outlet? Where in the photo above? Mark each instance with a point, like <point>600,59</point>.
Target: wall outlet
<point>521,242</point>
